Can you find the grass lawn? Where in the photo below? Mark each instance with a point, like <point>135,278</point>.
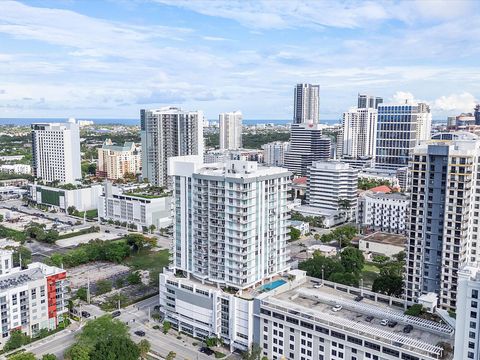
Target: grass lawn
<point>154,261</point>
<point>90,214</point>
<point>369,273</point>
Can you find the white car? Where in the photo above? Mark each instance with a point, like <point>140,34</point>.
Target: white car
<point>384,322</point>
<point>317,286</point>
<point>337,308</point>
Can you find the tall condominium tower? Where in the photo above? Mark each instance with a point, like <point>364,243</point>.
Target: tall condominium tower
<point>56,151</point>
<point>230,130</point>
<point>165,133</point>
<point>306,104</point>
<point>359,132</point>
<point>332,186</point>
<point>477,114</point>
<point>399,129</point>
<point>443,228</point>
<point>368,101</point>
<point>230,220</point>
<point>274,152</point>
<point>467,329</point>
<point>307,144</point>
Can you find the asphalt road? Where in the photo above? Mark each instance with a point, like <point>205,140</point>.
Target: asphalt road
<point>137,318</point>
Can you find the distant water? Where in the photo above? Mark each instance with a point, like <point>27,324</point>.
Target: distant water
<point>131,122</point>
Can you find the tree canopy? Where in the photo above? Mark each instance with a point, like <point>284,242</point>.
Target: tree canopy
<point>344,269</point>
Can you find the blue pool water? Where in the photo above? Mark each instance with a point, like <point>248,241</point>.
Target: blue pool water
<point>272,285</point>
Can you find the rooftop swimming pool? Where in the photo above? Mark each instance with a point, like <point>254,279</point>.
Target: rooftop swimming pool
<point>272,285</point>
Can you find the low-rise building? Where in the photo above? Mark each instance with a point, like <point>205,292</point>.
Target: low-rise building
<point>141,208</point>
<point>381,244</point>
<point>83,198</point>
<point>325,250</point>
<point>302,226</point>
<point>115,161</point>
<point>308,318</point>
<point>386,212</point>
<point>204,310</point>
<point>30,299</point>
<point>16,169</point>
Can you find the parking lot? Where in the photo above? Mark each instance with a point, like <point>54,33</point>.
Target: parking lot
<point>79,275</point>
<point>17,220</point>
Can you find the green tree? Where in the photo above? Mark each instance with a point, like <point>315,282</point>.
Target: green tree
<point>390,279</point>
<point>71,210</point>
<point>134,278</point>
<point>352,259</point>
<point>103,287</point>
<point>166,327</point>
<point>139,241</point>
<point>294,234</point>
<point>23,356</point>
<point>78,352</point>
<point>171,355</point>
<point>152,228</point>
<point>49,357</point>
<point>316,237</point>
<point>116,348</point>
<point>82,294</point>
<point>1,217</point>
<point>144,347</point>
<point>16,340</point>
<point>254,353</point>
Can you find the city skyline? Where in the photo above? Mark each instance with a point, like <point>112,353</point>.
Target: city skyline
<point>109,59</point>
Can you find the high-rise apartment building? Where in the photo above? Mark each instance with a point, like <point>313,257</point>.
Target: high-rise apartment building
<point>165,133</point>
<point>477,114</point>
<point>230,124</point>
<point>307,144</point>
<point>56,152</point>
<point>467,331</point>
<point>399,129</point>
<point>115,161</point>
<point>368,101</point>
<point>230,238</point>
<point>230,220</point>
<point>443,230</point>
<point>274,152</point>
<point>359,132</point>
<point>306,108</point>
<point>31,299</point>
<point>332,186</point>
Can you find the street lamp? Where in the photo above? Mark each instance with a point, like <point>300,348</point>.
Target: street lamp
<point>322,274</point>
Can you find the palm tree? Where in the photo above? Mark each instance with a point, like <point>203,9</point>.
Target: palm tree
<point>345,205</point>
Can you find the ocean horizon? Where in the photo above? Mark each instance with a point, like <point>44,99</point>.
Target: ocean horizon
<point>133,122</point>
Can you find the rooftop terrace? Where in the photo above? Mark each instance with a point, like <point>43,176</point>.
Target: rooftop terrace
<point>315,303</point>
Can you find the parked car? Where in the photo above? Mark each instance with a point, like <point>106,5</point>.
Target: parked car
<point>107,231</point>
<point>369,318</point>
<point>358,298</point>
<point>116,313</point>
<point>407,329</point>
<point>85,314</point>
<point>317,286</point>
<point>384,322</point>
<point>207,351</point>
<point>392,323</point>
<point>337,308</point>
<point>139,333</point>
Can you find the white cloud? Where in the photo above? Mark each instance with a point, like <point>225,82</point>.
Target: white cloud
<point>456,103</point>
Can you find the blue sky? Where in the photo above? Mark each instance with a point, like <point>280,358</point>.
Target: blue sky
<point>92,58</point>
